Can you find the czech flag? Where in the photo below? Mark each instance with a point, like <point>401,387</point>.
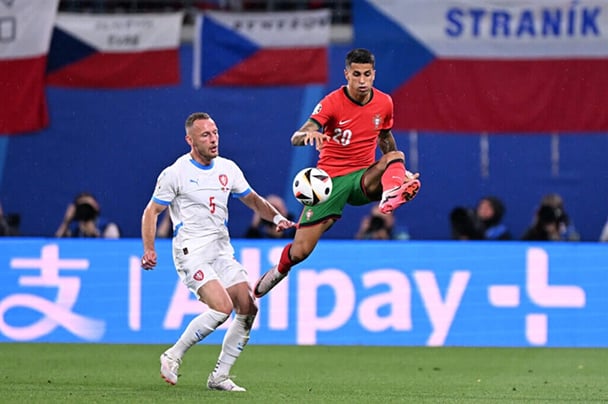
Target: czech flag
<point>115,51</point>
<point>261,49</point>
<point>508,66</point>
<point>25,35</point>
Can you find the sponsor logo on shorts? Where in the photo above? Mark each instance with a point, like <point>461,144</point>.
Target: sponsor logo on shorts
<point>199,275</point>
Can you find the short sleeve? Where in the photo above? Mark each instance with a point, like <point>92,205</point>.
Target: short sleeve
<point>322,112</point>
<point>388,120</point>
<point>166,187</point>
<point>240,186</point>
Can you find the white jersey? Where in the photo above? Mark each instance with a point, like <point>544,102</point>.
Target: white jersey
<point>197,197</point>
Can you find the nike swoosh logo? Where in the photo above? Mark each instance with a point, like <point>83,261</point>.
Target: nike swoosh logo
<point>344,122</point>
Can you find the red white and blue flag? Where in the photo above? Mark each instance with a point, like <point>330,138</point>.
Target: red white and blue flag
<point>25,35</point>
<point>493,66</point>
<point>261,49</point>
<point>115,51</point>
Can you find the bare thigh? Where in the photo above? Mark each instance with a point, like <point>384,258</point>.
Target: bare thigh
<point>306,238</point>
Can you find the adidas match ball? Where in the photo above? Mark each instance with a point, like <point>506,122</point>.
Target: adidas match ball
<point>312,186</point>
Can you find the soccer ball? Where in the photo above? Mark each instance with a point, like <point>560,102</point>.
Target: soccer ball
<point>312,186</point>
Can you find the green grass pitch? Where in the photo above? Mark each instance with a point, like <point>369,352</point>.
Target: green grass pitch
<point>92,373</point>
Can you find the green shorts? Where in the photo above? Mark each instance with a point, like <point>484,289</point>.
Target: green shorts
<point>346,189</point>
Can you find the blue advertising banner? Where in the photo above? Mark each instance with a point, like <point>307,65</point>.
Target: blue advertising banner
<point>346,293</point>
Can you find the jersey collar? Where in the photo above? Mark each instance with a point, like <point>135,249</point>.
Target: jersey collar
<point>345,91</point>
<point>202,167</point>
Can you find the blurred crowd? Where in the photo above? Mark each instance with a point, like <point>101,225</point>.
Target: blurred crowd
<point>341,10</point>
<point>484,221</point>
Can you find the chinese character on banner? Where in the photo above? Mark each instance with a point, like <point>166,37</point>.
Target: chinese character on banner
<point>55,313</point>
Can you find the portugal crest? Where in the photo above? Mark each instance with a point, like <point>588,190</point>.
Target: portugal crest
<point>377,120</point>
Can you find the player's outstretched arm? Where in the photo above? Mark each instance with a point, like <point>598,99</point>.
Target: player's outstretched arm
<point>309,134</point>
<point>266,211</point>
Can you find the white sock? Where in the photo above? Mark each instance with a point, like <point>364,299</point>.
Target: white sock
<point>201,326</point>
<point>234,342</point>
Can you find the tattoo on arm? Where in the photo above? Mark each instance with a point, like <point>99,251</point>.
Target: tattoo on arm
<point>297,139</point>
<point>386,141</point>
<point>309,126</point>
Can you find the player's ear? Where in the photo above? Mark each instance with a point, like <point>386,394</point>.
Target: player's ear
<point>188,139</point>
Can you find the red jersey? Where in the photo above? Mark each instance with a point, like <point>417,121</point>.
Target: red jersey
<point>353,129</point>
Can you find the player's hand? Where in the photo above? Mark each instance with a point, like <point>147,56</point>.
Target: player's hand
<point>315,139</point>
<point>148,261</point>
<point>284,225</point>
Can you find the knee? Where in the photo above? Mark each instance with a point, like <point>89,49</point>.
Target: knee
<point>221,305</point>
<point>225,307</point>
<point>250,308</point>
<point>246,305</point>
<point>393,155</point>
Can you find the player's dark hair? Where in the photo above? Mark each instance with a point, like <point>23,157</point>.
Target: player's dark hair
<point>360,55</point>
<point>195,117</point>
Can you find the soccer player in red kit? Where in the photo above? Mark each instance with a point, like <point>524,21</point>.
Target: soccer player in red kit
<point>346,127</point>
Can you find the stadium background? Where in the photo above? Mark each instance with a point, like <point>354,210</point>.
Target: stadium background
<point>434,293</point>
<point>350,296</point>
<point>115,142</point>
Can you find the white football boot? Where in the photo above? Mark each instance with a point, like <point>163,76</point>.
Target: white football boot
<point>267,281</point>
<point>169,368</point>
<point>223,383</point>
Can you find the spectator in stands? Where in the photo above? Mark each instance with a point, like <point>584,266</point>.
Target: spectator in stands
<point>604,234</point>
<point>376,226</point>
<point>9,224</point>
<point>465,225</point>
<point>261,228</point>
<point>490,211</point>
<point>379,226</point>
<point>567,230</point>
<point>3,224</point>
<point>551,222</point>
<point>82,219</point>
<point>546,225</point>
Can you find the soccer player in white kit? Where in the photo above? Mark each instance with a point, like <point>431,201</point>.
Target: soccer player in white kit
<point>196,188</point>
